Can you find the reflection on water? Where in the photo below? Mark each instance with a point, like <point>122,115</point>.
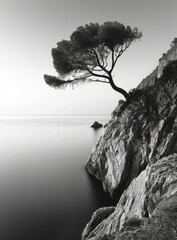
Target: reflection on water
<point>45,192</point>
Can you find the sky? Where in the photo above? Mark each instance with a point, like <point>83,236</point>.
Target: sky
<point>29,29</point>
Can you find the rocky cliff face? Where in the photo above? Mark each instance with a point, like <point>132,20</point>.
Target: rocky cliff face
<point>137,158</point>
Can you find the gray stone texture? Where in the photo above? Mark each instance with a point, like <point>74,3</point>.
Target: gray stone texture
<point>138,155</point>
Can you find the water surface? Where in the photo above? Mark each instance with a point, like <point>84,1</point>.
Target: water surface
<point>45,192</point>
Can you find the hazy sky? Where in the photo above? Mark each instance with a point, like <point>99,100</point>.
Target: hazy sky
<point>29,29</point>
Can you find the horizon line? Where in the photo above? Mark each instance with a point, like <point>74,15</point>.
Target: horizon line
<point>28,115</point>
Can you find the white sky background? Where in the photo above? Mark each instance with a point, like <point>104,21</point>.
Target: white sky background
<point>29,29</point>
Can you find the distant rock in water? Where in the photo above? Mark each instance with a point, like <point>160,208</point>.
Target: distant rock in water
<point>96,125</point>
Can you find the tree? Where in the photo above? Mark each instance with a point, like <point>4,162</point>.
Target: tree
<point>91,54</point>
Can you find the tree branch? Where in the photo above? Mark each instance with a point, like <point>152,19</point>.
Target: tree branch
<point>118,89</point>
<point>96,74</point>
<point>120,52</point>
<point>97,80</point>
<point>98,61</point>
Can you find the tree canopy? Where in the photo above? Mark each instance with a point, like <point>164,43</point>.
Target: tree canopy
<point>91,54</point>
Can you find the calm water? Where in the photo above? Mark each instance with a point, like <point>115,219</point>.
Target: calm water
<point>45,192</point>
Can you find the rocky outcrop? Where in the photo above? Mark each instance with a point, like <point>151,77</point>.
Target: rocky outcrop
<point>137,158</point>
<point>97,218</point>
<point>140,132</point>
<point>161,226</point>
<point>156,183</point>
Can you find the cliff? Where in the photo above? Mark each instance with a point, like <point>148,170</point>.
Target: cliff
<point>149,80</point>
<point>136,160</point>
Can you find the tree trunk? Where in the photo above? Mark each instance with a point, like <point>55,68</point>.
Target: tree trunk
<point>118,89</point>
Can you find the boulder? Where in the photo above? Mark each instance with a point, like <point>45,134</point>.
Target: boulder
<point>97,218</point>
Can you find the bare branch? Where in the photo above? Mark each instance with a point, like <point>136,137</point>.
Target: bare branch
<point>96,74</point>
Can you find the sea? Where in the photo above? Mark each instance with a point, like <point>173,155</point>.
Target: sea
<point>45,191</point>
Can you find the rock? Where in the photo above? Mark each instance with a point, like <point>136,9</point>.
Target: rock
<point>137,158</point>
<point>162,225</point>
<point>97,218</point>
<point>139,133</point>
<point>96,125</point>
<point>139,202</point>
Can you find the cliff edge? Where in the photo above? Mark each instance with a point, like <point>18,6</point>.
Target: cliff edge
<point>136,160</point>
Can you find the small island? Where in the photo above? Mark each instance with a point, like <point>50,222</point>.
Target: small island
<point>96,125</point>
